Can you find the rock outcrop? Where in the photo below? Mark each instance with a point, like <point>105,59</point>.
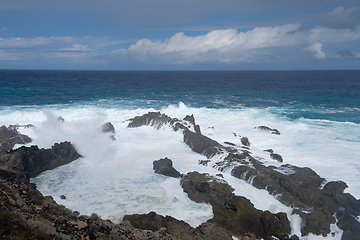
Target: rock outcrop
<point>275,156</point>
<point>164,167</point>
<point>296,187</point>
<point>29,162</point>
<point>9,136</point>
<point>271,130</point>
<point>108,127</point>
<point>26,214</point>
<point>236,214</point>
<point>177,228</point>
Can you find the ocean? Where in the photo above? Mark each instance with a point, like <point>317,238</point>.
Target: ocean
<point>316,112</point>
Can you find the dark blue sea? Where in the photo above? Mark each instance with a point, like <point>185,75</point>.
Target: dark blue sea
<point>316,112</point>
<point>331,95</point>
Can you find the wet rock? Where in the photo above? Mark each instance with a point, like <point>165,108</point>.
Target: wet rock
<point>332,188</point>
<point>275,156</point>
<point>245,141</point>
<point>10,136</point>
<point>108,127</point>
<point>31,161</point>
<point>191,119</point>
<point>236,214</point>
<point>295,187</point>
<point>155,119</point>
<point>201,144</point>
<point>194,139</point>
<point>177,228</point>
<point>62,197</point>
<point>164,167</point>
<point>271,130</point>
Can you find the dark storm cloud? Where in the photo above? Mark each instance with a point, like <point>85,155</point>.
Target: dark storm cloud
<point>341,18</point>
<point>345,53</point>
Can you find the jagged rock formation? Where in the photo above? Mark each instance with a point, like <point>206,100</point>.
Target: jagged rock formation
<point>275,156</point>
<point>164,167</point>
<point>234,213</point>
<point>297,187</point>
<point>29,162</point>
<point>26,214</point>
<point>9,136</point>
<point>177,228</point>
<point>271,130</point>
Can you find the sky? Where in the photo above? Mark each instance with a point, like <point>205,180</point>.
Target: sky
<point>180,35</point>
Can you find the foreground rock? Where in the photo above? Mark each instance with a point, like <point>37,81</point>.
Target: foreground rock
<point>28,162</point>
<point>164,167</point>
<point>26,214</point>
<point>9,136</point>
<point>177,228</point>
<point>234,213</point>
<point>296,187</point>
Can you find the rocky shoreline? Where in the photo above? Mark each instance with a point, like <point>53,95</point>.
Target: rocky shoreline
<point>26,214</point>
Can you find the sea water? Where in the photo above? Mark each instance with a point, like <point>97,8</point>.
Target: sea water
<point>316,112</point>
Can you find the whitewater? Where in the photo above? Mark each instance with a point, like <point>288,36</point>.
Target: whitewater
<point>115,178</point>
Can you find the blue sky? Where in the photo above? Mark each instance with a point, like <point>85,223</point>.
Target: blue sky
<point>180,35</point>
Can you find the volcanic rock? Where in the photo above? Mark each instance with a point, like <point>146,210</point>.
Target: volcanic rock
<point>275,156</point>
<point>31,161</point>
<point>10,136</point>
<point>245,141</point>
<point>177,228</point>
<point>296,187</point>
<point>108,127</point>
<point>234,213</point>
<point>272,130</point>
<point>164,167</point>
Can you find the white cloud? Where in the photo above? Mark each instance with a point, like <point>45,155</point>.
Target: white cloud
<point>230,46</point>
<point>317,49</point>
<point>77,48</point>
<point>216,46</point>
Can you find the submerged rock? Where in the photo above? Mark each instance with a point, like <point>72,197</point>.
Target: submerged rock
<point>164,167</point>
<point>108,127</point>
<point>60,119</point>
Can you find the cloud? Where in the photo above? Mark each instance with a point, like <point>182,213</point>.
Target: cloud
<point>3,30</point>
<point>317,49</point>
<point>77,48</point>
<point>345,53</point>
<point>216,46</point>
<point>340,18</point>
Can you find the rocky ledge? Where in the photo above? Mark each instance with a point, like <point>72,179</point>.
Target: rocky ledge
<point>299,188</point>
<point>26,214</point>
